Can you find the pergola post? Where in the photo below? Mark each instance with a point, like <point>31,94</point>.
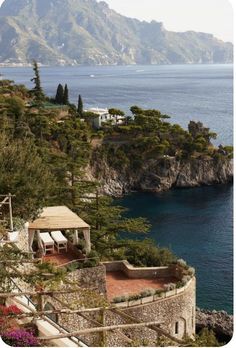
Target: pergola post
<point>86,233</point>
<point>76,237</point>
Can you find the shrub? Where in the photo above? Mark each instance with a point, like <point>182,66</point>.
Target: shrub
<point>159,292</point>
<point>179,284</point>
<point>134,297</point>
<point>170,286</point>
<point>20,338</point>
<point>182,263</point>
<point>147,292</point>
<point>186,279</point>
<point>191,271</point>
<point>119,299</point>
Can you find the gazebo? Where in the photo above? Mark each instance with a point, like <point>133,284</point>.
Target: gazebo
<point>59,218</point>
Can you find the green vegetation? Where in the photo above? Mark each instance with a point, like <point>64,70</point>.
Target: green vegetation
<point>37,91</point>
<point>148,135</point>
<point>43,161</point>
<point>59,94</point>
<point>44,157</point>
<point>80,108</point>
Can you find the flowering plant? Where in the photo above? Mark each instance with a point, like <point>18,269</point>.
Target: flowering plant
<point>6,322</point>
<point>20,338</point>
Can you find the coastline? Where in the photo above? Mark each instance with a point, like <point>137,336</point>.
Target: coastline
<point>218,321</point>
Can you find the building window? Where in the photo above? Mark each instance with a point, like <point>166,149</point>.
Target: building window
<point>49,307</point>
<point>176,327</point>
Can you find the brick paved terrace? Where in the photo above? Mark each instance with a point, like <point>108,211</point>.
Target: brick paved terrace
<point>119,284</point>
<point>64,257</point>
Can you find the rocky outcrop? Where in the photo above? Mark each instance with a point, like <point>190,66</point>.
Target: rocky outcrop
<point>220,322</point>
<point>162,174</point>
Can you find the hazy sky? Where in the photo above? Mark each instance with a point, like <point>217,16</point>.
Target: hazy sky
<point>211,16</point>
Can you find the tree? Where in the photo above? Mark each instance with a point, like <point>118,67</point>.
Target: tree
<point>80,108</point>
<point>66,95</point>
<point>197,129</point>
<point>59,98</point>
<point>37,90</point>
<point>24,174</point>
<point>116,112</point>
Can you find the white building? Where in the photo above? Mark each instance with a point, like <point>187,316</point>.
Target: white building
<point>103,117</point>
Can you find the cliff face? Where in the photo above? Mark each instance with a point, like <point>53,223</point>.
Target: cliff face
<point>163,174</point>
<point>220,322</point>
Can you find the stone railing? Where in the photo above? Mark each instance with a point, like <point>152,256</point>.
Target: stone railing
<point>143,272</point>
<point>153,298</point>
<point>179,271</point>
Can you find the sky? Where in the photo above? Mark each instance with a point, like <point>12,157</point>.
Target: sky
<point>209,16</point>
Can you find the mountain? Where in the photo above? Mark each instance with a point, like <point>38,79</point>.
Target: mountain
<point>60,32</point>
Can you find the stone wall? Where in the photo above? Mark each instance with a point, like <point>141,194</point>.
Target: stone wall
<point>91,278</point>
<point>23,239</point>
<point>174,311</point>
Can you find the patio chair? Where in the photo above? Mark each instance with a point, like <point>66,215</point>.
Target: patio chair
<point>47,241</point>
<point>60,241</point>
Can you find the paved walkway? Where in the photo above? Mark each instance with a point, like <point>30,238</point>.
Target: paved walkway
<point>118,284</point>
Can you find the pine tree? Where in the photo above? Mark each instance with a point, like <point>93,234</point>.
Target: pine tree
<point>66,95</point>
<point>60,94</point>
<point>37,90</point>
<point>80,109</point>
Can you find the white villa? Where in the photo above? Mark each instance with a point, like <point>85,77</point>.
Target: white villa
<point>103,116</point>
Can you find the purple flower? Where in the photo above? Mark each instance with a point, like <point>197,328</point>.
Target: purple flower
<point>20,338</point>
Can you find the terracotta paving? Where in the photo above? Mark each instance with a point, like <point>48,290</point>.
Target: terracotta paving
<point>118,284</point>
<point>64,257</point>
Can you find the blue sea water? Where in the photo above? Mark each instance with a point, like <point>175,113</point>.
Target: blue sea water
<point>196,223</point>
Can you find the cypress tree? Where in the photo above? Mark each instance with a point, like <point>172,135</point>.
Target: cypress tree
<point>59,95</point>
<point>37,90</point>
<point>66,95</point>
<point>80,109</point>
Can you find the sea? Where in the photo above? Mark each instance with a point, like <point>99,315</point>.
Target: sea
<point>197,224</point>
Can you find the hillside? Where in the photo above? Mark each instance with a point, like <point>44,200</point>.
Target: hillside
<point>59,32</point>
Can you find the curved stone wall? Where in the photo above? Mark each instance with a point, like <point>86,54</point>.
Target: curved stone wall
<point>176,315</point>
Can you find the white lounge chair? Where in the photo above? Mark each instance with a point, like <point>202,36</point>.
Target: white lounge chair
<point>60,240</point>
<point>47,241</point>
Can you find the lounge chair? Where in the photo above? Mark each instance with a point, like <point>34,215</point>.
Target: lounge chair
<point>60,240</point>
<point>47,241</point>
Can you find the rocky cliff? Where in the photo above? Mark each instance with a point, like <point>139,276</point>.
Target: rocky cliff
<point>162,174</point>
<point>220,322</point>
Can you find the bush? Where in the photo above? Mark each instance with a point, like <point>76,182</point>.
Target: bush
<point>169,287</point>
<point>186,279</point>
<point>146,254</point>
<point>182,263</point>
<point>147,292</point>
<point>119,299</point>
<point>20,338</point>
<point>134,297</point>
<point>191,271</point>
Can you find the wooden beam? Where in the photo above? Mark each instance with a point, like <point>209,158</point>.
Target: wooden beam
<point>35,293</point>
<point>99,329</point>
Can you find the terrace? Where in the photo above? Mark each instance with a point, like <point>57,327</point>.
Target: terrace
<point>60,236</point>
<point>124,280</point>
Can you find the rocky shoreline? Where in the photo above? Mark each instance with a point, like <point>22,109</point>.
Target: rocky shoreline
<point>162,175</point>
<point>220,322</point>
